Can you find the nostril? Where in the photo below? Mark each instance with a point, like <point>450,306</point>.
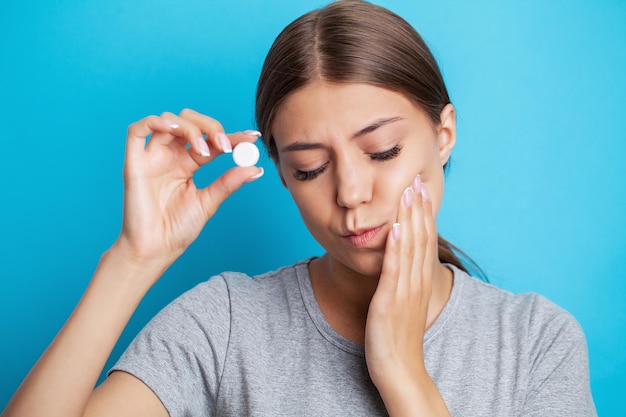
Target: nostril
<point>353,194</point>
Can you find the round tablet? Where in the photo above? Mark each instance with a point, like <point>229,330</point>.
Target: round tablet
<point>246,154</point>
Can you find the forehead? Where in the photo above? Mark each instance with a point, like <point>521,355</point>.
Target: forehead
<point>323,108</point>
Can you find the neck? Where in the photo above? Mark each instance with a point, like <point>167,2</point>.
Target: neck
<point>344,295</point>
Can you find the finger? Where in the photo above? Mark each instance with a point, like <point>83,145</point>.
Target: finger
<point>390,270</point>
<point>229,182</point>
<point>407,240</point>
<point>246,136</point>
<point>139,131</point>
<point>431,255</point>
<point>215,134</point>
<point>210,127</point>
<point>187,130</point>
<point>420,235</point>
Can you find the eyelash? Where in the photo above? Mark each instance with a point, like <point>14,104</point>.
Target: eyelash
<point>386,155</point>
<point>379,156</point>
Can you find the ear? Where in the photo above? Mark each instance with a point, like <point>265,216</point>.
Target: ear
<point>447,132</point>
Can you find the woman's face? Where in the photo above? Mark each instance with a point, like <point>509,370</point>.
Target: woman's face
<point>346,152</point>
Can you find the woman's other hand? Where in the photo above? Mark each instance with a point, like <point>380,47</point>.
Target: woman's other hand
<point>397,315</point>
<point>164,211</point>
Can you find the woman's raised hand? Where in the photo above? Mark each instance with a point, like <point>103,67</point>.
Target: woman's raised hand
<point>396,321</point>
<point>164,212</point>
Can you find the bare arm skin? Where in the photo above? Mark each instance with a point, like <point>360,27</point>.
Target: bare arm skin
<point>163,214</point>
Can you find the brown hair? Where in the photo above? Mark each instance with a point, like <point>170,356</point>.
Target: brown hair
<point>357,42</point>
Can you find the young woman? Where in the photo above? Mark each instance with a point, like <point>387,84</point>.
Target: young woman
<point>357,118</point>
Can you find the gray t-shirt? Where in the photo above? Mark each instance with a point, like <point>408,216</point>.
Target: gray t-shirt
<point>241,346</point>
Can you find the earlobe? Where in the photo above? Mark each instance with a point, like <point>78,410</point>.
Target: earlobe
<point>447,132</point>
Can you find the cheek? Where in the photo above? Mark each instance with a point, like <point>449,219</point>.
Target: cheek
<point>312,202</point>
<point>435,190</point>
<point>433,178</point>
<point>393,183</point>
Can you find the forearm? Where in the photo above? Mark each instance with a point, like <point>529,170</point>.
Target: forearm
<point>62,380</point>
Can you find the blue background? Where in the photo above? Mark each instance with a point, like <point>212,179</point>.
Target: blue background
<point>536,193</point>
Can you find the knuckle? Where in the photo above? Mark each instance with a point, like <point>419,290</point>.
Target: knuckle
<point>432,239</point>
<point>133,128</point>
<point>407,251</point>
<point>186,112</point>
<point>422,239</point>
<point>393,270</point>
<point>152,119</point>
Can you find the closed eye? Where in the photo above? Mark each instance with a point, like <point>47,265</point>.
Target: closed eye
<point>376,156</point>
<point>386,155</point>
<point>309,175</point>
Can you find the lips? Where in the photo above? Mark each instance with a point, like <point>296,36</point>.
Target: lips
<point>362,238</point>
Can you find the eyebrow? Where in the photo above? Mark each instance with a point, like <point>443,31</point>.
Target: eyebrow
<point>378,123</point>
<point>304,146</point>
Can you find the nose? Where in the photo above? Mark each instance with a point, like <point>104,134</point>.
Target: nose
<point>354,185</point>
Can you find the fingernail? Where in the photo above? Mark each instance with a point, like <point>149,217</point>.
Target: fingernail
<point>204,148</point>
<point>224,142</point>
<point>255,133</point>
<point>171,124</point>
<point>425,196</point>
<point>417,184</point>
<point>395,231</point>
<point>257,175</point>
<point>407,196</point>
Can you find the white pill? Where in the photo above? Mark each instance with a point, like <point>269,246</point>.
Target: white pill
<point>246,154</point>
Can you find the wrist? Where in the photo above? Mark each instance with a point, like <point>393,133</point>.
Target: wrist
<point>119,266</point>
<point>412,392</point>
<point>125,254</point>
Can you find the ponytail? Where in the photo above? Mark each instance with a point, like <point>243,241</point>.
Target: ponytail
<point>450,254</point>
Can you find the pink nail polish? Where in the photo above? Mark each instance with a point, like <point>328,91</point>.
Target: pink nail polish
<point>395,231</point>
<point>224,142</point>
<point>425,195</point>
<point>417,184</point>
<point>171,124</point>
<point>253,133</point>
<point>204,148</point>
<point>407,196</point>
<point>257,175</point>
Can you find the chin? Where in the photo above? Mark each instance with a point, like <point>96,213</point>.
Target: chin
<point>368,264</point>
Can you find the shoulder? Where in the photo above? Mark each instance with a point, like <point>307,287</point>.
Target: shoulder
<point>235,294</point>
<point>229,284</point>
<point>525,343</point>
<point>212,302</point>
<point>276,285</point>
<point>529,317</point>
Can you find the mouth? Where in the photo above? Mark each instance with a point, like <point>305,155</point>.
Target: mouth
<point>361,238</point>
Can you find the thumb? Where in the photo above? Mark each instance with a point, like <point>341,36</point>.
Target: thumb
<point>213,196</point>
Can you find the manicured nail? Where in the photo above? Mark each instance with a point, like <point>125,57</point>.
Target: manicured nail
<point>417,184</point>
<point>171,124</point>
<point>254,133</point>
<point>425,195</point>
<point>407,196</point>
<point>395,231</point>
<point>204,148</point>
<point>224,142</point>
<point>257,175</point>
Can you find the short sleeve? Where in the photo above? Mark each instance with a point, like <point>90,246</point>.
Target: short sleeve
<point>180,353</point>
<point>559,369</point>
